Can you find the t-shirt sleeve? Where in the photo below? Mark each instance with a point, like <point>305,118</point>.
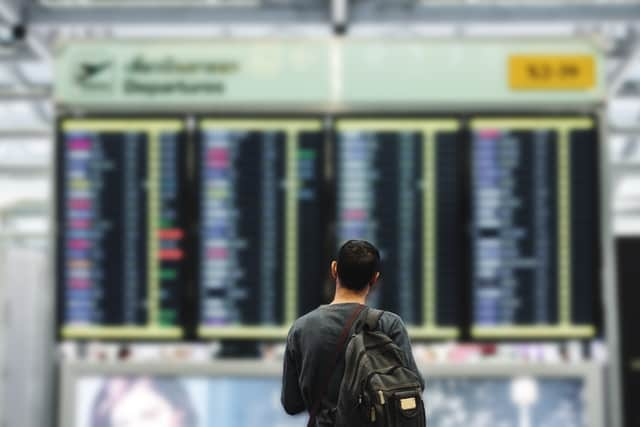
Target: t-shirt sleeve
<point>291,396</point>
<point>398,333</point>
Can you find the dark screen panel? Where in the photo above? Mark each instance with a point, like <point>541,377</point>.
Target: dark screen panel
<point>535,228</point>
<point>242,227</point>
<point>121,228</point>
<point>261,224</point>
<point>628,277</point>
<point>313,211</point>
<point>397,185</point>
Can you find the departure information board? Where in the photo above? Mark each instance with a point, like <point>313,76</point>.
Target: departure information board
<point>121,228</point>
<point>535,227</point>
<point>261,234</point>
<point>488,228</point>
<point>398,186</point>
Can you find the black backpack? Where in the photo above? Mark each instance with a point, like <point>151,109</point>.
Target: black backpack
<point>378,388</point>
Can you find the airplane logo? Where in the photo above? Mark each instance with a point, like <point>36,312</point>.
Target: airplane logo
<point>94,72</point>
<point>88,70</point>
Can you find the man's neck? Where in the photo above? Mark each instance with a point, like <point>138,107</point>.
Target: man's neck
<point>343,296</point>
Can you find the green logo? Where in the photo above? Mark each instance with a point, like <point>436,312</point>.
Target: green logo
<point>95,72</point>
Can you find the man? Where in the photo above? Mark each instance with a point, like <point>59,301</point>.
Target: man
<point>312,340</point>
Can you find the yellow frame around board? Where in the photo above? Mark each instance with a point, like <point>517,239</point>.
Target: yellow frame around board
<point>279,333</point>
<point>291,128</point>
<point>121,332</point>
<point>152,127</point>
<point>107,125</point>
<point>522,332</point>
<point>428,128</point>
<point>564,329</point>
<point>275,124</point>
<point>241,332</point>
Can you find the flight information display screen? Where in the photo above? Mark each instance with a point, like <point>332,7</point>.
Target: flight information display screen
<point>488,228</point>
<point>261,227</point>
<point>120,228</point>
<point>398,186</point>
<point>535,227</point>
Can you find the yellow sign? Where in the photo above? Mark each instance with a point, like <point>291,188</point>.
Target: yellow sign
<point>547,72</point>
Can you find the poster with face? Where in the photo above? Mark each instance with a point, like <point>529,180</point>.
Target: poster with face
<point>180,402</point>
<point>140,402</point>
<point>165,401</point>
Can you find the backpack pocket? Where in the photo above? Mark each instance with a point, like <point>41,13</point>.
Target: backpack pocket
<point>408,408</point>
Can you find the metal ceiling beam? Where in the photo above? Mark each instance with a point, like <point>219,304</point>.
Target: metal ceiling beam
<point>39,47</point>
<point>625,131</point>
<point>26,206</point>
<point>33,93</point>
<point>384,10</point>
<point>25,172</point>
<point>110,16</point>
<point>629,149</point>
<point>38,108</point>
<point>619,77</point>
<point>9,235</point>
<point>25,133</point>
<point>9,12</point>
<point>300,12</point>
<point>17,55</point>
<point>626,169</point>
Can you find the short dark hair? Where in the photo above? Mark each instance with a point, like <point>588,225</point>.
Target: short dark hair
<point>358,261</point>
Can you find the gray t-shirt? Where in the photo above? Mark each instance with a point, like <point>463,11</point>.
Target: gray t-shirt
<point>311,350</point>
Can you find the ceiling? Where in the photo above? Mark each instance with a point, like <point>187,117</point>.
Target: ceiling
<point>26,74</point>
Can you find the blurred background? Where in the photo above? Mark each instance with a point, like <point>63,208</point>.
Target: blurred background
<point>175,177</point>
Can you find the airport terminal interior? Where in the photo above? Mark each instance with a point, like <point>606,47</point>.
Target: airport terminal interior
<point>176,177</point>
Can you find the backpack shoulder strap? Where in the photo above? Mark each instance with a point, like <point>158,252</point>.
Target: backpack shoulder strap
<point>313,412</point>
<point>372,318</point>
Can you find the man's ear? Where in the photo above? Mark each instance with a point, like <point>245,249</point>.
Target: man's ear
<point>375,278</point>
<point>334,270</point>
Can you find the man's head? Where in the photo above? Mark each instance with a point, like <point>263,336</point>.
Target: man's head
<point>357,266</point>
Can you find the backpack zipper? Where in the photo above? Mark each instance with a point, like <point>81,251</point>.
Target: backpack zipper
<point>381,397</point>
<point>384,371</point>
